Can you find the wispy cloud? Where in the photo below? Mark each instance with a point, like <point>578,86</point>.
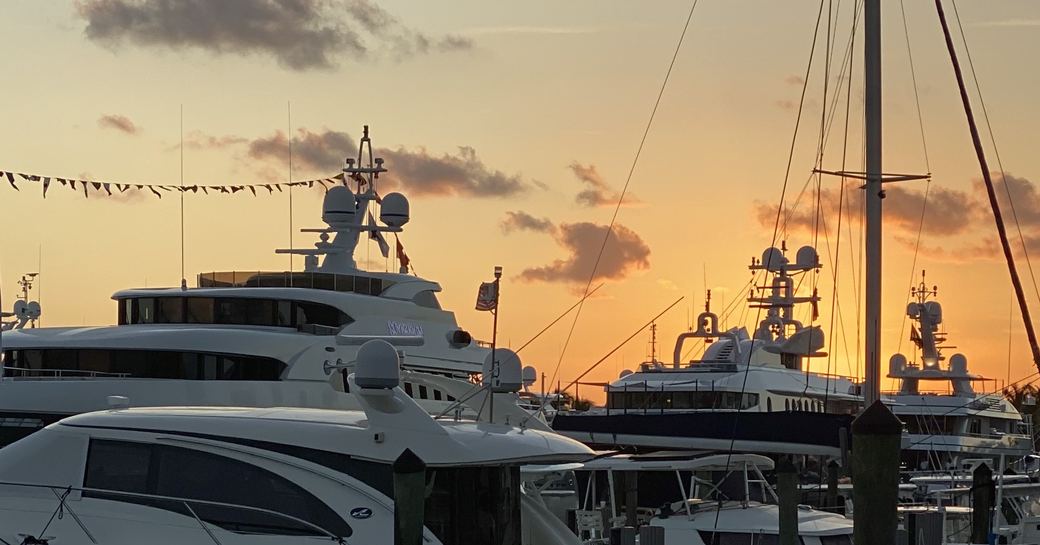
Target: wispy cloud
<point>118,122</point>
<point>534,30</point>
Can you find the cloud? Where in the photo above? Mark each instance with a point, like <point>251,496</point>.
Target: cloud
<point>958,224</point>
<point>522,221</point>
<point>414,171</point>
<point>118,122</point>
<point>534,30</point>
<point>597,192</point>
<point>624,253</point>
<point>199,140</point>
<point>298,34</point>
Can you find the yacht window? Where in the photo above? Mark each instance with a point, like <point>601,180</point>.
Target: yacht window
<point>769,404</point>
<point>787,404</point>
<point>200,310</point>
<point>317,313</point>
<point>169,310</point>
<point>283,314</point>
<point>975,426</point>
<point>836,540</point>
<point>145,311</point>
<point>422,392</point>
<point>408,389</point>
<point>229,311</point>
<point>427,298</point>
<point>186,473</point>
<point>436,394</point>
<point>153,364</point>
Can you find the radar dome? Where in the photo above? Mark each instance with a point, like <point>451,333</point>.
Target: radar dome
<point>339,207</point>
<point>378,366</point>
<point>530,374</point>
<point>959,364</point>
<point>807,258</point>
<point>508,377</point>
<point>32,310</point>
<point>896,364</point>
<point>934,310</point>
<point>625,373</point>
<point>773,259</point>
<point>394,210</point>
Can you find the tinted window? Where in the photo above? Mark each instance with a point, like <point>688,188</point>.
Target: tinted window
<point>144,311</point>
<point>200,310</point>
<point>156,364</point>
<point>185,473</point>
<point>230,311</point>
<point>169,310</point>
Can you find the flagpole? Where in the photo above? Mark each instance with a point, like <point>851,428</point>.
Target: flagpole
<point>494,340</point>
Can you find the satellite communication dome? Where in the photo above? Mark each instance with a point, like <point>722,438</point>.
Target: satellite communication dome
<point>896,364</point>
<point>394,210</point>
<point>530,374</point>
<point>339,207</point>
<point>32,310</point>
<point>934,310</point>
<point>378,366</point>
<point>625,373</point>
<point>20,309</point>
<point>959,364</point>
<point>509,376</point>
<point>807,258</point>
<point>773,259</point>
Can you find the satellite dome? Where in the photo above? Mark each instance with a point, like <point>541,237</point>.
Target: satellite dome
<point>773,259</point>
<point>339,207</point>
<point>896,364</point>
<point>530,374</point>
<point>378,366</point>
<point>807,258</point>
<point>625,373</point>
<point>959,364</point>
<point>394,210</point>
<point>509,376</point>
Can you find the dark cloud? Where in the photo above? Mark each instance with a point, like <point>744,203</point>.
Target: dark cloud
<point>119,123</point>
<point>958,225</point>
<point>522,221</point>
<point>597,192</point>
<point>624,253</point>
<point>416,172</point>
<point>298,34</point>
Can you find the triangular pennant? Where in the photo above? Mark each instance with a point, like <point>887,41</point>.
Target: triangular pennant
<point>97,185</point>
<point>223,189</point>
<point>194,189</point>
<point>204,189</point>
<point>236,188</point>
<point>10,178</point>
<point>73,184</point>
<point>323,186</point>
<point>108,189</point>
<point>278,187</point>
<point>46,184</point>
<point>139,186</point>
<point>157,194</point>
<point>269,189</point>
<point>86,188</point>
<point>253,189</point>
<point>24,176</point>
<point>62,181</point>
<point>34,178</point>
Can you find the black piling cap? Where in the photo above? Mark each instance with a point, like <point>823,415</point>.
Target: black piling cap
<point>877,420</point>
<point>785,465</point>
<point>409,462</point>
<point>982,472</point>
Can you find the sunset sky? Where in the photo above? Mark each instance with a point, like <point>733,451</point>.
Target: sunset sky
<point>511,127</point>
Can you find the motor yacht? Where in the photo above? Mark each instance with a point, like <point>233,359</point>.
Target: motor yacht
<point>227,475</point>
<point>748,392</point>
<point>246,338</point>
<point>947,421</point>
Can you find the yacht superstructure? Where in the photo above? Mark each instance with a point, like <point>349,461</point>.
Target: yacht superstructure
<point>946,420</point>
<point>748,392</point>
<point>247,338</point>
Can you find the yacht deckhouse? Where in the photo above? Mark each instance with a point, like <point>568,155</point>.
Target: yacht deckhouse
<point>248,338</point>
<point>756,378</point>
<point>946,420</point>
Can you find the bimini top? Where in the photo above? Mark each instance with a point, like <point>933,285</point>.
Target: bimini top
<point>679,462</point>
<point>353,433</point>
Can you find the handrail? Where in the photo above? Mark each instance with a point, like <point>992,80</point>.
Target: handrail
<point>60,373</point>
<point>185,501</point>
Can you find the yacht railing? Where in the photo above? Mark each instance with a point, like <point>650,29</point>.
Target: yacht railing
<point>28,373</point>
<point>62,493</point>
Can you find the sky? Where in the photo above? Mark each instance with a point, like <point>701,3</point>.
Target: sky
<point>512,129</point>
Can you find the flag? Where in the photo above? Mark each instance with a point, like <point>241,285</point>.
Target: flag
<point>10,179</point>
<point>402,257</point>
<point>46,184</point>
<point>915,337</point>
<point>487,296</point>
<point>384,246</point>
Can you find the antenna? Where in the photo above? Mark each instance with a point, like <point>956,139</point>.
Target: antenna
<point>288,111</point>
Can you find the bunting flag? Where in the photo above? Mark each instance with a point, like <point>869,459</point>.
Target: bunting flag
<point>487,296</point>
<point>402,257</point>
<point>97,187</point>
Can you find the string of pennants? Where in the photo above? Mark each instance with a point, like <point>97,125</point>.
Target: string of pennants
<point>110,188</point>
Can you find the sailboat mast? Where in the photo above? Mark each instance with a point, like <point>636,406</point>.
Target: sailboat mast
<point>872,125</point>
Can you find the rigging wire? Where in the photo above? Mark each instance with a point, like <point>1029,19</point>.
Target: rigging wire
<point>624,189</point>
<point>776,226</point>
<point>996,150</point>
<point>928,167</point>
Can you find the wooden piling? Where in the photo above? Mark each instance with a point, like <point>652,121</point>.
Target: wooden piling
<point>409,498</point>
<point>876,437</point>
<point>982,493</point>
<point>787,492</point>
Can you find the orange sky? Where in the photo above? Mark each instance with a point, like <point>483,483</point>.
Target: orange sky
<point>552,99</point>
